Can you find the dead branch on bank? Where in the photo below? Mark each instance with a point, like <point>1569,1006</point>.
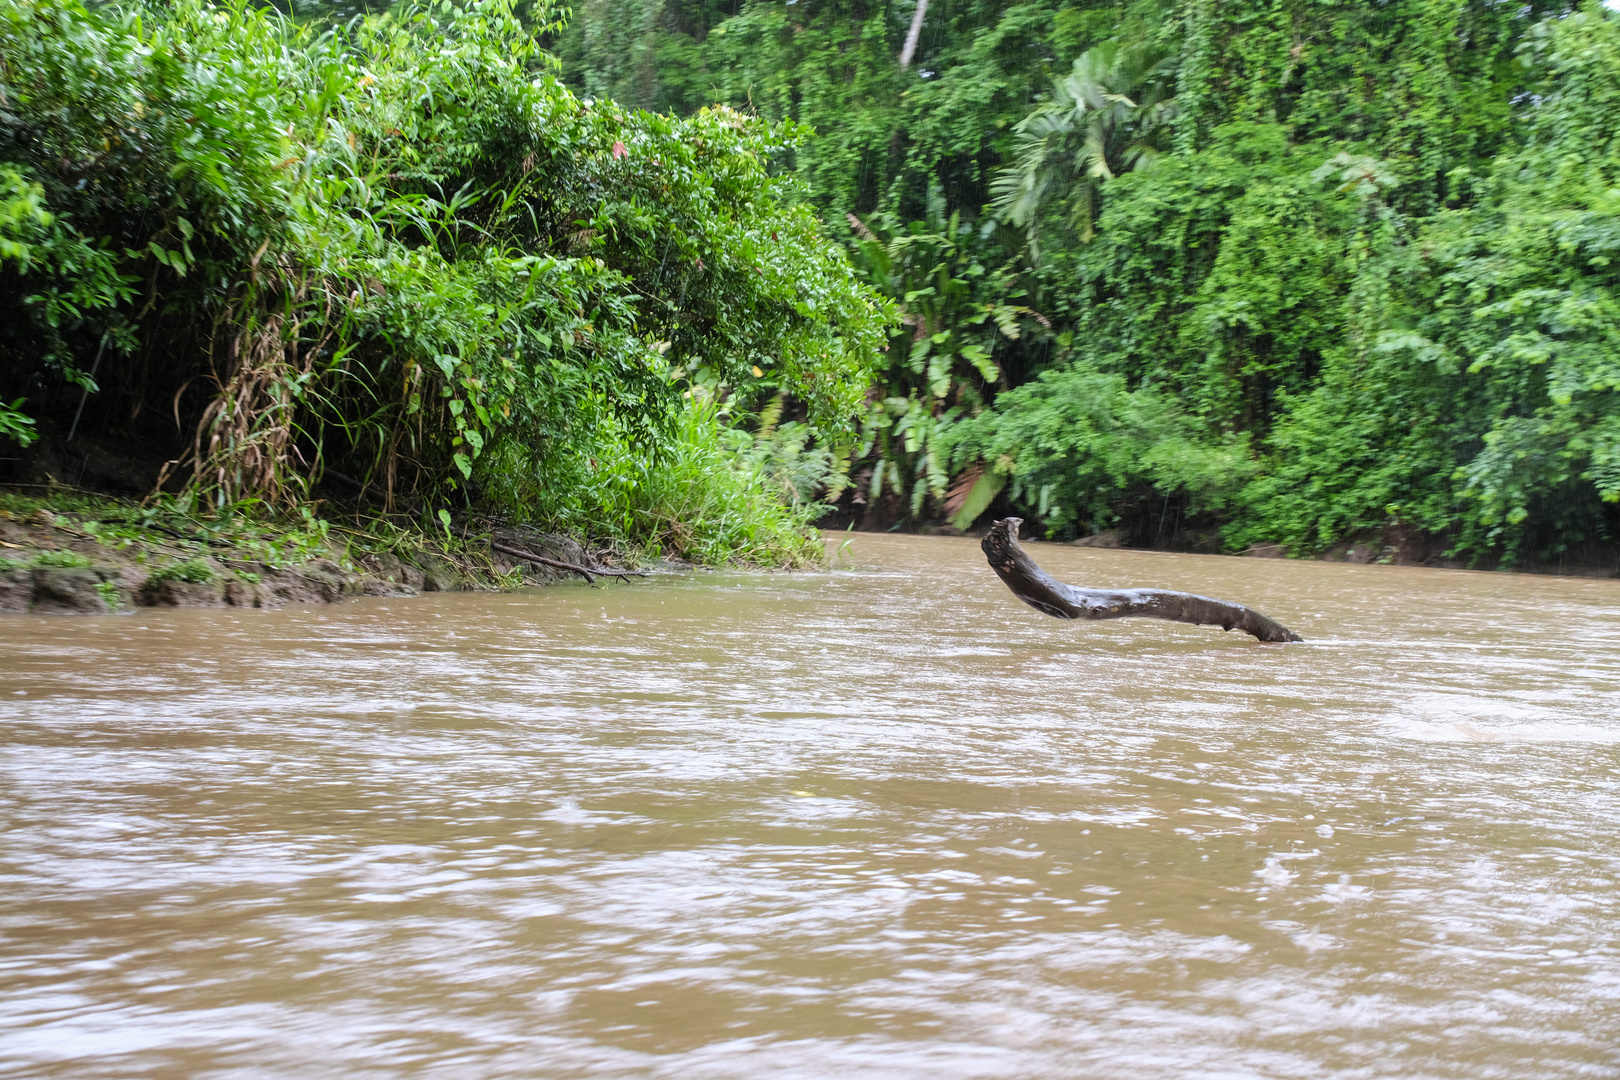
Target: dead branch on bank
<point>1043,592</point>
<point>589,573</point>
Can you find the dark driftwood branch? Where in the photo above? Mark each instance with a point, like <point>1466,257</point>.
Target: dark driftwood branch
<point>1043,592</point>
<point>589,573</point>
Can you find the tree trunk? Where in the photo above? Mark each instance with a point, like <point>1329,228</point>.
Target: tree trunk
<point>1043,592</point>
<point>910,47</point>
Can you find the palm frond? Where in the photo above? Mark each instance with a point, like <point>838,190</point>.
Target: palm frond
<point>1098,123</point>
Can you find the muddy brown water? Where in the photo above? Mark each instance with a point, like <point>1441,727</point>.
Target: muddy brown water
<point>873,822</point>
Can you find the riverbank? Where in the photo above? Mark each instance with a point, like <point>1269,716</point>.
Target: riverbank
<point>1394,546</point>
<point>65,551</point>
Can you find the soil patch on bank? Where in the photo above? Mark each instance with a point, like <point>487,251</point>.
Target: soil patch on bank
<point>65,552</point>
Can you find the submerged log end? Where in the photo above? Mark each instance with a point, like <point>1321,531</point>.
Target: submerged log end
<point>1264,629</point>
<point>1044,593</point>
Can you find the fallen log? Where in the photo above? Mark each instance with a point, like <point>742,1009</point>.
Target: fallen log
<point>589,573</point>
<point>1043,592</point>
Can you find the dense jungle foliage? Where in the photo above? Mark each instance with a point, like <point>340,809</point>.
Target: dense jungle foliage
<point>399,259</point>
<point>1294,271</point>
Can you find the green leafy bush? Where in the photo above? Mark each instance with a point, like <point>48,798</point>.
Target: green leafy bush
<point>61,558</point>
<point>192,571</point>
<point>1076,441</point>
<point>14,425</point>
<point>711,493</point>
<point>399,248</point>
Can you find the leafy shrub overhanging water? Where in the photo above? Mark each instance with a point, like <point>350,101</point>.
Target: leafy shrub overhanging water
<point>402,251</point>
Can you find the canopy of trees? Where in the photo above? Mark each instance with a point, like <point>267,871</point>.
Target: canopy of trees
<point>1290,271</point>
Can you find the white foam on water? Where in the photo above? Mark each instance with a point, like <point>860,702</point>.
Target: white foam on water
<point>1274,873</point>
<point>568,812</point>
<point>1473,731</point>
<point>1467,718</point>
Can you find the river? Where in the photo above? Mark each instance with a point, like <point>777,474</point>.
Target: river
<point>879,821</point>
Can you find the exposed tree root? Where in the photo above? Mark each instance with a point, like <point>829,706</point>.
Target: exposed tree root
<point>589,573</point>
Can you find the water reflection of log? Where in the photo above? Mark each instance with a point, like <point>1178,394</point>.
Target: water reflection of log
<point>1043,592</point>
